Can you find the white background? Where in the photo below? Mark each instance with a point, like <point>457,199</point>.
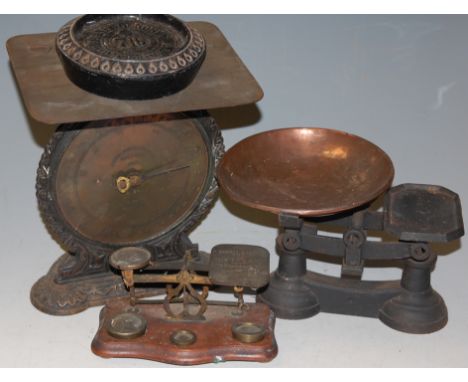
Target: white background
<point>398,81</point>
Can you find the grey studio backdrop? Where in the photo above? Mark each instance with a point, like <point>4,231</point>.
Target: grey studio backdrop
<point>398,81</point>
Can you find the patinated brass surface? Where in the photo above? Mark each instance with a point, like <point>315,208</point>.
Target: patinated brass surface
<point>305,171</point>
<point>126,326</point>
<point>50,97</point>
<point>183,337</point>
<point>85,183</point>
<point>79,194</point>
<point>184,328</point>
<point>248,332</point>
<point>194,303</point>
<point>130,258</point>
<point>239,265</point>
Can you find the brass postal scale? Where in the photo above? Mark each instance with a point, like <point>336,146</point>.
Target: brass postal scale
<point>133,167</point>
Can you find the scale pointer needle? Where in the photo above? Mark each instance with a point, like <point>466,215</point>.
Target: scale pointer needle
<point>124,183</point>
<point>157,172</point>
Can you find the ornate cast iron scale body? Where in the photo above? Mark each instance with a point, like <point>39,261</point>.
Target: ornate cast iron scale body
<point>128,219</point>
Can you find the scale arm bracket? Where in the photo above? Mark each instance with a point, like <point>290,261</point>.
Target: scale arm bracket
<point>310,241</point>
<point>372,220</point>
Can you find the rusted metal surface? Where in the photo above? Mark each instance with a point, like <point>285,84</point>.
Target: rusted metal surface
<point>310,176</point>
<point>130,56</point>
<point>77,294</point>
<point>417,215</point>
<point>214,341</point>
<point>50,97</point>
<point>305,171</point>
<point>71,285</point>
<point>416,212</point>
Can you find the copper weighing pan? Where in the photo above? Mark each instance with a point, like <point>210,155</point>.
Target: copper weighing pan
<point>305,171</point>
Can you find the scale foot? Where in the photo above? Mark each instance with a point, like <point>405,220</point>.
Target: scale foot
<point>290,298</point>
<point>418,313</point>
<point>80,293</point>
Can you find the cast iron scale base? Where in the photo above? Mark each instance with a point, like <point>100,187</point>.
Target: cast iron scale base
<point>314,178</point>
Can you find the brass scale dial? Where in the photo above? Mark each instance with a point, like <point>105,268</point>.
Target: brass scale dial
<point>140,181</point>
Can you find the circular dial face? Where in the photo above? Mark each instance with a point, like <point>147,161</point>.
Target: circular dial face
<point>128,181</point>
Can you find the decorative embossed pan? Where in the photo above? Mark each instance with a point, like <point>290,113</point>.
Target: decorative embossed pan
<point>130,56</point>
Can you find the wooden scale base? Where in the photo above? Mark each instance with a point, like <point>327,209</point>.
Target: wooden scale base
<point>214,338</point>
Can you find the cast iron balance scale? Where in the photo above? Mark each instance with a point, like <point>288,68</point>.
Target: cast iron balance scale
<point>121,192</point>
<point>319,178</point>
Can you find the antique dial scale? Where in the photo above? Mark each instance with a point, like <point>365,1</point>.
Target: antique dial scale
<point>137,176</point>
